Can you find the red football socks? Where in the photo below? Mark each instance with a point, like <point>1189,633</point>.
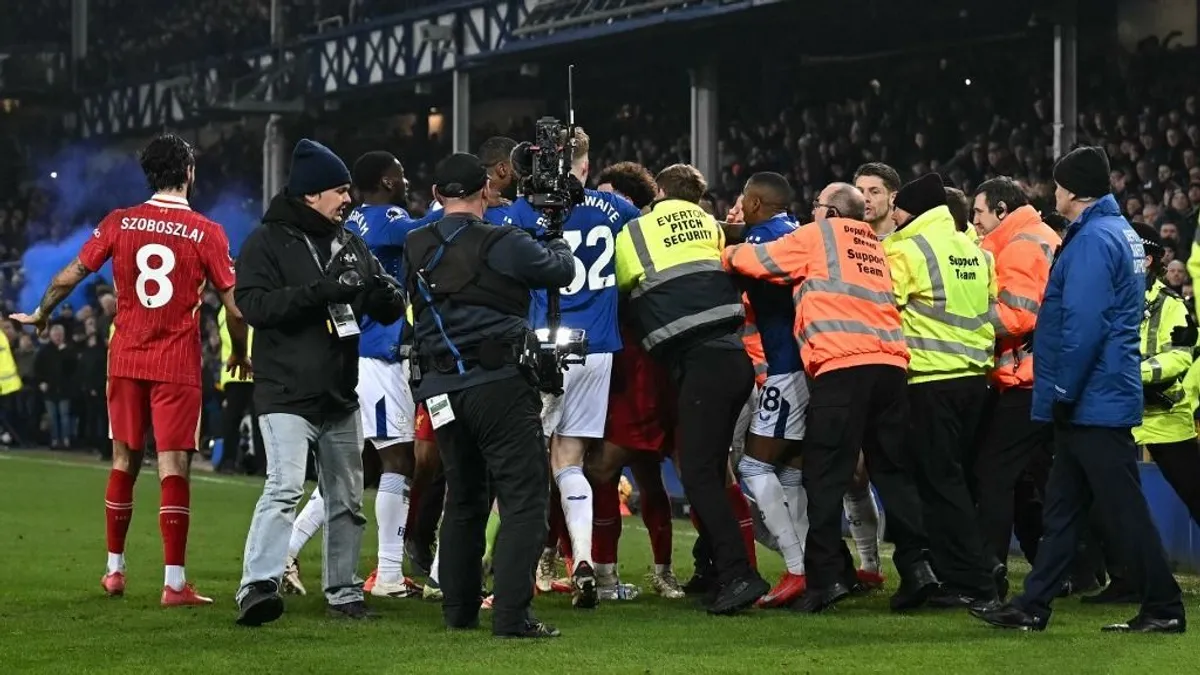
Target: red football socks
<point>606,522</point>
<point>656,515</point>
<point>741,511</point>
<point>174,516</point>
<point>118,508</point>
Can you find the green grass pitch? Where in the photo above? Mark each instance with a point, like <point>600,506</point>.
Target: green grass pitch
<point>55,618</point>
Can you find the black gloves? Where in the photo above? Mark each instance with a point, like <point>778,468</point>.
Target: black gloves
<point>1185,336</point>
<point>1155,395</point>
<point>1062,412</point>
<point>381,299</point>
<point>1027,343</point>
<point>329,291</point>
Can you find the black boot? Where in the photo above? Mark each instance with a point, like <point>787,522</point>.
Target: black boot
<point>1010,616</point>
<point>261,604</point>
<point>917,585</point>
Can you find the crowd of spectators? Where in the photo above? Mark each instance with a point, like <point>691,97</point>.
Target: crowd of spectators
<point>971,119</point>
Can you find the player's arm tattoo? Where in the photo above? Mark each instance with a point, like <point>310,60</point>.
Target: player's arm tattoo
<point>61,286</point>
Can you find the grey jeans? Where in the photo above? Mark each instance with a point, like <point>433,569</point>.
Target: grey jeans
<point>339,443</point>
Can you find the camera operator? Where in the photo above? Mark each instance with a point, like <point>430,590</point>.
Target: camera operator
<point>470,285</point>
<point>302,282</point>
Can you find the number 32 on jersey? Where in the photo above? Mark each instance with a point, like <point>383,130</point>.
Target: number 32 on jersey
<point>593,276</point>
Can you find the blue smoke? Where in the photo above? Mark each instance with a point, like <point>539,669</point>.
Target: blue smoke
<point>89,184</point>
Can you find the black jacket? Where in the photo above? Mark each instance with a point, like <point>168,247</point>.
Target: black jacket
<point>515,255</point>
<point>57,367</point>
<point>301,367</point>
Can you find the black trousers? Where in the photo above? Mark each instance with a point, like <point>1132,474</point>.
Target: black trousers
<point>861,407</point>
<point>497,431</point>
<point>1180,466</point>
<point>429,512</point>
<point>713,386</point>
<point>1012,449</point>
<point>1097,466</point>
<point>239,402</point>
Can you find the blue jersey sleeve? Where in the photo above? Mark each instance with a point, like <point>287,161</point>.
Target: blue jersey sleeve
<point>387,229</point>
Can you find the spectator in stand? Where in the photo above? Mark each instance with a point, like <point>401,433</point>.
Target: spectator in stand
<point>93,384</point>
<point>29,408</point>
<point>55,372</point>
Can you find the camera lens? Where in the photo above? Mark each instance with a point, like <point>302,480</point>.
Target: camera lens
<point>350,278</point>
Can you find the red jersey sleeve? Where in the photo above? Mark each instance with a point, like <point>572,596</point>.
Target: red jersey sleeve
<point>97,250</point>
<point>218,265</point>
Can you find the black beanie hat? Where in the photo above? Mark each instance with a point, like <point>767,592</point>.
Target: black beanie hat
<point>1084,171</point>
<point>315,169</point>
<point>923,194</point>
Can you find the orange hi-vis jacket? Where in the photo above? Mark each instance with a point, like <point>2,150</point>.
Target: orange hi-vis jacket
<point>846,314</point>
<point>1023,248</point>
<point>754,346</point>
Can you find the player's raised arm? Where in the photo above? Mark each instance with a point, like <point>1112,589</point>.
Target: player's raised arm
<point>60,287</point>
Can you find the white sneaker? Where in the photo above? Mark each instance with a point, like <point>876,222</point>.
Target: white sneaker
<point>432,591</point>
<point>545,572</point>
<point>291,578</point>
<point>405,588</point>
<point>666,585</point>
<point>611,588</point>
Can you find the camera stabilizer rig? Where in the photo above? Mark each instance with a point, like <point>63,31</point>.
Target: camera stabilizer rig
<point>549,186</point>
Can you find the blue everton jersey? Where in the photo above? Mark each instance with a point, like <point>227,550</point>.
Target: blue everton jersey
<point>383,227</point>
<point>590,302</point>
<point>774,310</point>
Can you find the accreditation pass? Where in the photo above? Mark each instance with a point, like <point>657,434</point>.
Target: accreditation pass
<point>440,412</point>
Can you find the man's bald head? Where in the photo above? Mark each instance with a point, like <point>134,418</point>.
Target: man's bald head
<point>846,199</point>
<point>766,194</point>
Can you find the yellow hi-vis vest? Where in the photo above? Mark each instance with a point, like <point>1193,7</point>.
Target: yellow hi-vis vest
<point>1163,362</point>
<point>10,379</point>
<point>945,286</point>
<point>227,351</point>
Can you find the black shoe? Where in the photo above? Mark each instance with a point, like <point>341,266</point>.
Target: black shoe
<point>1116,593</point>
<point>1010,616</point>
<point>261,604</point>
<point>356,610</point>
<point>916,587</point>
<point>583,584</point>
<point>1147,624</point>
<point>1073,586</point>
<point>947,599</point>
<point>532,629</point>
<point>1000,576</point>
<point>817,600</point>
<point>739,594</point>
<point>704,581</point>
<point>418,556</point>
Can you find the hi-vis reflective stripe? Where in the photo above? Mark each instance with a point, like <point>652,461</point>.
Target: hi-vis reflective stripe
<point>1012,357</point>
<point>1018,301</point>
<point>653,277</point>
<point>850,326</point>
<point>770,265</point>
<point>937,311</point>
<point>1047,250</point>
<point>948,347</point>
<point>684,324</point>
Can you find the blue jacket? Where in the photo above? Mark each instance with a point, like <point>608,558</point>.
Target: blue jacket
<point>1086,347</point>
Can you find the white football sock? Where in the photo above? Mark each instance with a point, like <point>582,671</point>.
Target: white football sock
<point>576,500</point>
<point>116,562</point>
<point>391,514</point>
<point>792,481</point>
<point>661,569</point>
<point>764,486</point>
<point>174,577</point>
<point>606,569</point>
<point>437,556</point>
<point>863,516</point>
<point>311,518</point>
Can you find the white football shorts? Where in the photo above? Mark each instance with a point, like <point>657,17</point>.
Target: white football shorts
<point>781,406</point>
<point>583,407</point>
<point>385,400</point>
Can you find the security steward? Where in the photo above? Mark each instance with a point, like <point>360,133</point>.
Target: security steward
<point>689,315</point>
<point>944,286</point>
<point>855,356</point>
<point>1168,431</point>
<point>1087,381</point>
<point>1012,448</point>
<point>470,285</point>
<point>239,402</point>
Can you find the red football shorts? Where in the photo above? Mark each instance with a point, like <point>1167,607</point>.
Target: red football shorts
<point>423,426</point>
<point>173,410</point>
<point>641,401</point>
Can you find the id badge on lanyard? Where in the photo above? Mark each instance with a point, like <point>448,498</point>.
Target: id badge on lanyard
<point>342,321</point>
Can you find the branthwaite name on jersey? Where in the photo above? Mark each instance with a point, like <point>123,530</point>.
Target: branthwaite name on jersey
<point>162,227</point>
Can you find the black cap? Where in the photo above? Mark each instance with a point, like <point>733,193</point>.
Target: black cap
<point>923,194</point>
<point>459,175</point>
<point>1151,241</point>
<point>1084,171</point>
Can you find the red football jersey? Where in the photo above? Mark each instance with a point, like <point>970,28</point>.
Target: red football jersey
<point>162,253</point>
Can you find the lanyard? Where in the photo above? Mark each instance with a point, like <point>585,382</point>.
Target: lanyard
<point>316,258</point>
